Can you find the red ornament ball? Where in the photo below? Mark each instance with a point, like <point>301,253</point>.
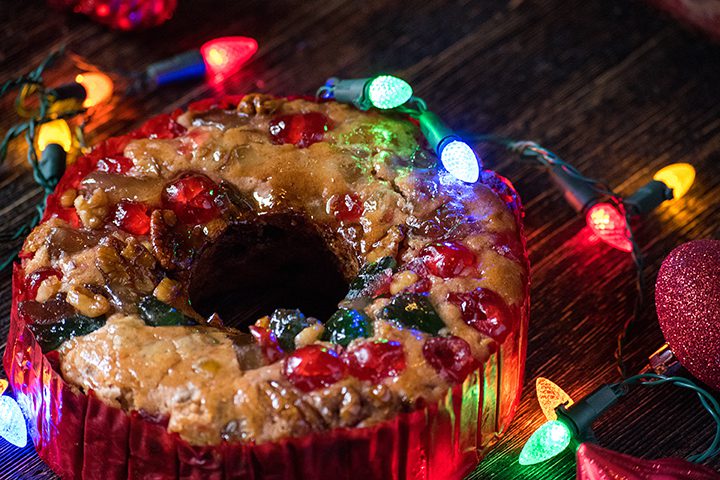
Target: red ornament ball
<point>687,297</point>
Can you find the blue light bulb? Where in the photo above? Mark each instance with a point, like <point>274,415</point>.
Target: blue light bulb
<point>12,422</point>
<point>460,160</point>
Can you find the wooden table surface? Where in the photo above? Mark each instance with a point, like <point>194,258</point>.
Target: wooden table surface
<point>613,86</point>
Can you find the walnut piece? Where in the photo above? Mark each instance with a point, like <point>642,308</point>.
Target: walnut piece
<point>258,104</point>
<point>47,289</point>
<point>92,211</point>
<point>86,302</point>
<point>67,199</point>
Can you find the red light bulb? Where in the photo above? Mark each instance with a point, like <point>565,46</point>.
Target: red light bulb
<point>609,224</point>
<point>225,55</point>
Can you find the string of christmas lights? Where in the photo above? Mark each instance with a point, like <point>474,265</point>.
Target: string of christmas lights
<point>56,139</point>
<point>570,423</point>
<point>606,213</point>
<point>47,110</point>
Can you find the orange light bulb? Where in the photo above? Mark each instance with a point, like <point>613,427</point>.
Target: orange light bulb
<point>550,396</point>
<point>679,177</point>
<point>56,131</point>
<point>98,86</point>
<point>609,224</point>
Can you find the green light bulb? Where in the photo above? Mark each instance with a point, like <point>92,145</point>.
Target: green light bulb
<point>386,91</point>
<point>550,439</point>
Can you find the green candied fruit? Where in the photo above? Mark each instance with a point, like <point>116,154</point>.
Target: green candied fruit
<point>346,325</point>
<point>413,310</point>
<point>286,323</point>
<point>370,278</point>
<point>159,314</point>
<point>51,336</point>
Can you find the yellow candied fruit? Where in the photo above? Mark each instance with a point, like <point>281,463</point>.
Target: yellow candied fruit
<point>402,280</point>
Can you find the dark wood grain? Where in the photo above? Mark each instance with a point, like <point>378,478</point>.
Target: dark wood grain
<point>613,86</point>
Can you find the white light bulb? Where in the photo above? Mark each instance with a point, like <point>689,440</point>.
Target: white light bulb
<point>12,422</point>
<point>460,160</point>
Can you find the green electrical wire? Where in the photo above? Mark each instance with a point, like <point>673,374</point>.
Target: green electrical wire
<point>532,151</point>
<point>707,400</point>
<point>29,129</point>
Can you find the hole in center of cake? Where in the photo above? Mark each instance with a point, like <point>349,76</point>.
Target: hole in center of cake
<point>268,262</point>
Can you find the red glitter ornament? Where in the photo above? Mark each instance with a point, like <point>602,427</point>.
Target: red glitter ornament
<point>313,367</point>
<point>121,14</point>
<point>687,297</point>
<point>597,463</point>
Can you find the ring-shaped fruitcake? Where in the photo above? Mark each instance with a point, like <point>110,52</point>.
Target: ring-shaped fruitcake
<point>258,270</point>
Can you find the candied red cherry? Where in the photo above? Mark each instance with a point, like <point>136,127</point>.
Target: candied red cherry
<point>346,208</point>
<point>268,343</point>
<point>132,217</point>
<point>300,129</point>
<point>193,197</point>
<point>313,367</point>
<point>115,164</point>
<point>162,126</point>
<point>447,259</point>
<point>450,356</point>
<point>483,310</point>
<point>33,281</point>
<point>374,361</point>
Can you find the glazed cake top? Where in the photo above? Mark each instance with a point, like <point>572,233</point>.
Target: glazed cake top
<point>157,232</point>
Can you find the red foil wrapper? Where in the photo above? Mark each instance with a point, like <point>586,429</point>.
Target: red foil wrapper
<point>81,437</point>
<point>597,463</point>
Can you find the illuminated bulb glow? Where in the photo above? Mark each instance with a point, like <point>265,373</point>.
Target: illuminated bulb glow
<point>460,160</point>
<point>225,55</point>
<point>550,396</point>
<point>3,385</point>
<point>550,439</point>
<point>386,91</point>
<point>99,87</point>
<point>12,422</point>
<point>679,177</point>
<point>609,225</point>
<point>56,131</point>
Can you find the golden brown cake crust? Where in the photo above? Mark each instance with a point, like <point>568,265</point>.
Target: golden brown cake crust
<point>212,382</point>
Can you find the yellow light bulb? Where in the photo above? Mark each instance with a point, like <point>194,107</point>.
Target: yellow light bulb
<point>550,396</point>
<point>3,385</point>
<point>98,86</point>
<point>678,176</point>
<point>56,131</point>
